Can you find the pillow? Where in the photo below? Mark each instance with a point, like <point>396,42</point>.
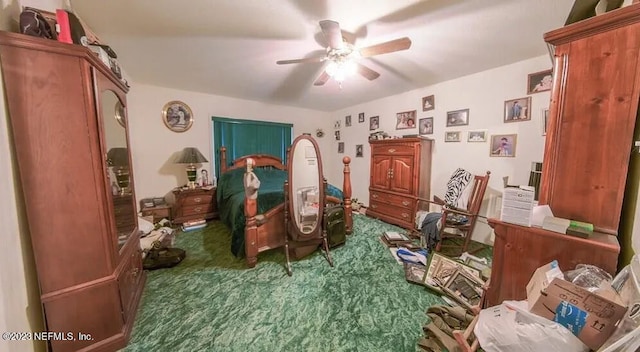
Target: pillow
<point>456,185</point>
<point>463,200</point>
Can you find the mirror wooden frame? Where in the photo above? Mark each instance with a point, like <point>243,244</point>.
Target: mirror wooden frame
<point>294,236</point>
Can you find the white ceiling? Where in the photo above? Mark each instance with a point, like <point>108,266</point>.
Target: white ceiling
<point>230,47</point>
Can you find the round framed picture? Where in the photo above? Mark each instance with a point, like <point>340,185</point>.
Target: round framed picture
<point>120,117</point>
<point>177,116</point>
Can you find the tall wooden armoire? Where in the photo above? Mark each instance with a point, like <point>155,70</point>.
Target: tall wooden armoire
<point>592,118</point>
<point>400,172</point>
<point>67,112</point>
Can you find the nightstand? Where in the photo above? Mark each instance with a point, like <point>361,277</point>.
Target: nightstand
<point>193,204</point>
<point>158,212</point>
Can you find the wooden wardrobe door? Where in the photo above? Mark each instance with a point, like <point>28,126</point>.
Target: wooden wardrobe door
<point>380,167</point>
<point>402,174</point>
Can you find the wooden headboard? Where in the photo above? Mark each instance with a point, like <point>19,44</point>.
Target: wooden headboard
<point>260,160</point>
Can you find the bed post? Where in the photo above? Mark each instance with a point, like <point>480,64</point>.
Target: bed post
<point>346,194</point>
<point>223,160</point>
<point>251,186</point>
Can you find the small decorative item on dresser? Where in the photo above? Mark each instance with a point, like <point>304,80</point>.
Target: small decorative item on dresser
<point>177,116</point>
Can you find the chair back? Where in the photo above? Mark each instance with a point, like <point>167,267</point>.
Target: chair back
<point>477,194</point>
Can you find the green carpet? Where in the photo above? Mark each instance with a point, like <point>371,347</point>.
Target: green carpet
<point>212,302</point>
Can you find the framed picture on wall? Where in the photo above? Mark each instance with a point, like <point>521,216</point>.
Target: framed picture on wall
<point>458,118</point>
<point>477,136</point>
<point>340,147</point>
<point>517,110</point>
<point>361,117</point>
<point>347,121</point>
<point>405,120</point>
<point>452,136</point>
<point>177,116</point>
<point>359,151</point>
<point>425,126</point>
<point>545,120</point>
<point>503,145</point>
<point>539,81</point>
<point>374,123</point>
<point>428,103</point>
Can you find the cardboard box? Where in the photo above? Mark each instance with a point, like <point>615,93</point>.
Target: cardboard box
<point>592,317</point>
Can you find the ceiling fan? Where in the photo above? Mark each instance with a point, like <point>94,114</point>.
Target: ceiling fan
<point>342,56</point>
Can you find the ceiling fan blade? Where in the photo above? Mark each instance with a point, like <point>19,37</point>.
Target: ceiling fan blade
<point>332,32</point>
<point>367,72</point>
<point>322,79</point>
<point>387,47</point>
<point>301,61</point>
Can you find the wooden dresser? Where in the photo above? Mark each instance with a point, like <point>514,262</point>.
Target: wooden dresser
<point>62,102</point>
<point>518,251</point>
<point>193,204</point>
<point>400,172</point>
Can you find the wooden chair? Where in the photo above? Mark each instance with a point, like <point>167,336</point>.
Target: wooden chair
<point>455,229</point>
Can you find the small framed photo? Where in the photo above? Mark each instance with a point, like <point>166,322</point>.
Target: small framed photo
<point>503,145</point>
<point>539,81</point>
<point>414,273</point>
<point>441,268</point>
<point>517,109</point>
<point>464,288</point>
<point>374,123</point>
<point>458,118</point>
<point>452,136</point>
<point>177,116</point>
<point>359,151</point>
<point>428,103</point>
<point>337,124</point>
<point>347,121</point>
<point>337,133</point>
<point>477,136</point>
<point>405,120</point>
<point>545,120</point>
<point>340,147</point>
<point>361,117</point>
<point>425,126</point>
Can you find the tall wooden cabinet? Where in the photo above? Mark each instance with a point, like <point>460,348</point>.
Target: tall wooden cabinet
<point>62,104</point>
<point>593,113</point>
<point>400,172</point>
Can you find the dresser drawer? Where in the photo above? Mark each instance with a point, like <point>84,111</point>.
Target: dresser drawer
<point>392,149</point>
<point>196,209</point>
<point>392,199</point>
<point>391,210</point>
<point>129,277</point>
<point>196,200</point>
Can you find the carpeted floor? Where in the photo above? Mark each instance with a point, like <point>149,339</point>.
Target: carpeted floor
<point>212,302</point>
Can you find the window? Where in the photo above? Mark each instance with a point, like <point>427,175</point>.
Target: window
<point>243,137</point>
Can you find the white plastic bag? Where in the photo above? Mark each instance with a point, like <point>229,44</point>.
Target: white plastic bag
<point>510,327</point>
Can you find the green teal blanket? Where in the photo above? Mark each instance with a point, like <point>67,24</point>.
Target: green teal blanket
<point>230,197</point>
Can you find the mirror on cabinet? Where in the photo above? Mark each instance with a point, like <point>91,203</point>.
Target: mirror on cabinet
<point>117,160</point>
<point>304,198</point>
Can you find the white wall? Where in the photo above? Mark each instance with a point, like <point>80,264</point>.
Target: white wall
<point>154,145</point>
<point>484,95</point>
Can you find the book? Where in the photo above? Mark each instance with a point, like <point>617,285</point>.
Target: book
<point>64,29</point>
<point>194,222</point>
<point>583,225</point>
<point>579,232</point>
<point>555,224</point>
<point>393,236</point>
<point>192,228</point>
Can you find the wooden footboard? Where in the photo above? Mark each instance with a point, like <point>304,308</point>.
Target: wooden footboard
<point>266,231</point>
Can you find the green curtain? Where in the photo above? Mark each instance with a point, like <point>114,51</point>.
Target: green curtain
<point>243,137</point>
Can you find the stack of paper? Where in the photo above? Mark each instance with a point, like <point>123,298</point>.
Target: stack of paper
<point>517,205</point>
<point>554,224</point>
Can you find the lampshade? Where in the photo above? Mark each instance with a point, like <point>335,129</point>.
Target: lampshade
<point>190,155</point>
<point>118,156</point>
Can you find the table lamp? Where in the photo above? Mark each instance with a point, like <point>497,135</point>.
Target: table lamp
<point>191,156</point>
<point>118,159</point>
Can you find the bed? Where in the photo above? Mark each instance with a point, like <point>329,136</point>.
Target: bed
<point>258,225</point>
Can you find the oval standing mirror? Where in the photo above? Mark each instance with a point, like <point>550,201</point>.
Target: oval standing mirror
<point>306,191</point>
<point>115,142</point>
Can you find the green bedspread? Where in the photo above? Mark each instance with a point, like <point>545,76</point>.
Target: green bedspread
<point>230,197</point>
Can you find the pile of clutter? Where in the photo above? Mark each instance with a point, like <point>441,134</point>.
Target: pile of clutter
<point>156,242</point>
<point>579,310</point>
